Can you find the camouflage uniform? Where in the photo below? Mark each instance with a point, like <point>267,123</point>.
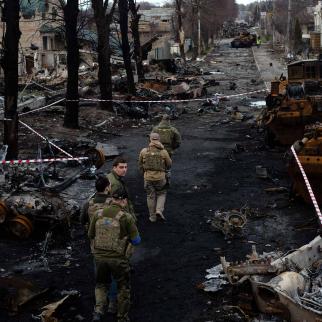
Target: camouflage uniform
<point>96,204</point>
<point>153,162</point>
<point>117,183</point>
<point>169,135</point>
<point>111,233</point>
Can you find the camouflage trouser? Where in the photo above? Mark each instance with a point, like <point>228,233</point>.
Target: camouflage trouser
<point>156,196</point>
<point>119,269</point>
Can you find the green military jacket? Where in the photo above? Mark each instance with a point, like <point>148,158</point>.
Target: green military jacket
<point>127,229</point>
<point>169,136</point>
<point>117,183</point>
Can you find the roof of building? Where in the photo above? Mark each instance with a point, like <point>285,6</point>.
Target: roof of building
<point>29,7</point>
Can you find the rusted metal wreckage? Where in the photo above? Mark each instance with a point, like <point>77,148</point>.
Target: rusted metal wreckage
<point>289,286</point>
<point>309,151</point>
<point>30,195</point>
<point>293,102</point>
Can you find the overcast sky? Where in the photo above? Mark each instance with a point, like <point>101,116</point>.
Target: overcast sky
<point>160,2</point>
<point>244,1</point>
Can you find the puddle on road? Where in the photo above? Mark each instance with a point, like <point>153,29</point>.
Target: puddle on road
<point>258,104</point>
<point>216,73</point>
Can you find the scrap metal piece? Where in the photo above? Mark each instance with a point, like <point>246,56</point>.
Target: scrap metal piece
<point>96,157</point>
<point>229,222</point>
<point>52,312</point>
<point>20,226</point>
<point>15,292</point>
<point>3,212</point>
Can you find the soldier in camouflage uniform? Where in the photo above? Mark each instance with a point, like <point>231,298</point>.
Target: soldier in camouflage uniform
<point>154,161</point>
<point>97,202</point>
<point>111,234</point>
<point>169,135</point>
<point>93,207</point>
<point>116,179</point>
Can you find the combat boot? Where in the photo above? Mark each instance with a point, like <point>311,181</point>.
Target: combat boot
<point>97,317</point>
<point>112,307</point>
<point>153,218</point>
<point>160,215</point>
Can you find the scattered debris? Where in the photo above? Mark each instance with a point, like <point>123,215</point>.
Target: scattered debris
<point>289,286</point>
<point>230,223</point>
<point>261,172</point>
<point>53,311</point>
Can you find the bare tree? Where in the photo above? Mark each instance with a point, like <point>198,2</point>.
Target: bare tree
<point>72,107</point>
<point>135,19</point>
<point>103,19</point>
<point>10,66</point>
<point>123,19</point>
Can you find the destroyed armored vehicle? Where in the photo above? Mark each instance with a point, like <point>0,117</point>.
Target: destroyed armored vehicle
<point>244,40</point>
<point>293,103</point>
<point>309,151</point>
<point>22,212</point>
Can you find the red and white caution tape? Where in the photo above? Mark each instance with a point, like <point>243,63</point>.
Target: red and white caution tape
<point>165,101</point>
<point>28,161</point>
<point>45,139</point>
<point>42,108</point>
<point>308,186</point>
<point>133,101</point>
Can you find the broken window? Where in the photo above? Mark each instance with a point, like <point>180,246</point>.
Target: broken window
<point>295,72</point>
<point>310,72</point>
<point>62,59</point>
<point>45,43</point>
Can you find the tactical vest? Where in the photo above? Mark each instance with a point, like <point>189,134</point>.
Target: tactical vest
<point>165,135</point>
<point>96,207</point>
<point>107,234</point>
<point>153,161</point>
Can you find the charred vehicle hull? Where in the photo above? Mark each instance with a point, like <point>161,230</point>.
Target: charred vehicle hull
<point>293,103</point>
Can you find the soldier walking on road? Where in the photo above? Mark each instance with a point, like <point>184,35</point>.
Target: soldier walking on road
<point>169,135</point>
<point>111,234</point>
<point>116,179</point>
<point>154,161</point>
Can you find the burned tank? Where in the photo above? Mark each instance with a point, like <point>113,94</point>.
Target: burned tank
<point>244,40</point>
<point>293,103</point>
<point>309,151</point>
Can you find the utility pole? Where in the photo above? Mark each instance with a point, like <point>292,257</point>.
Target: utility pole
<point>288,31</point>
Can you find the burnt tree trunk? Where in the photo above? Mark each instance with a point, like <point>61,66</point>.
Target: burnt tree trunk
<point>72,106</point>
<point>123,12</point>
<point>136,37</point>
<point>10,67</point>
<point>180,29</point>
<point>103,21</point>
